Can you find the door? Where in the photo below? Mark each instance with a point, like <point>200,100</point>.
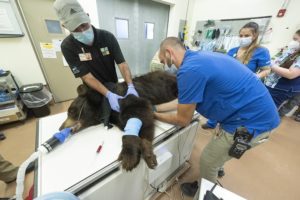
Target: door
<point>44,27</point>
<point>139,26</point>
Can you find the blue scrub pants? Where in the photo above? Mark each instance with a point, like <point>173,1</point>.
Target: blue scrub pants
<point>279,96</point>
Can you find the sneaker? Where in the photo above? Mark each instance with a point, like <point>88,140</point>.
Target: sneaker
<point>221,173</point>
<point>206,126</point>
<point>189,189</point>
<point>2,136</point>
<point>297,118</point>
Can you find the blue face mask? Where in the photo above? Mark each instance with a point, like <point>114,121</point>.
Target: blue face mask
<point>85,37</point>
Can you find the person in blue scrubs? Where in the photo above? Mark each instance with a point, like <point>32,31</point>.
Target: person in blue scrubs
<point>218,87</point>
<point>283,84</point>
<point>253,56</point>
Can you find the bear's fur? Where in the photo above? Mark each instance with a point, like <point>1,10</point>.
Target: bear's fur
<point>153,88</point>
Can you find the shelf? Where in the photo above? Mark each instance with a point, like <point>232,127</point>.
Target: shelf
<point>12,109</point>
<point>6,103</point>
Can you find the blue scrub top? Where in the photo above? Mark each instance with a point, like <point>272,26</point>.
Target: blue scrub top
<point>260,58</point>
<point>231,95</point>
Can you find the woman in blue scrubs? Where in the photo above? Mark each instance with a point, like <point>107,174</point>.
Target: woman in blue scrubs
<point>253,56</point>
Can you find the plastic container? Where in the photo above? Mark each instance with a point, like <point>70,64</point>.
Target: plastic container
<point>36,97</point>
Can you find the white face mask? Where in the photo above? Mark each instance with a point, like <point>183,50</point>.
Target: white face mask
<point>245,41</point>
<point>293,45</point>
<point>172,69</point>
<point>86,37</point>
<point>170,64</point>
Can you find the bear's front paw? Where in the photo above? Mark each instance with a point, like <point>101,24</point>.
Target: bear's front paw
<point>131,152</point>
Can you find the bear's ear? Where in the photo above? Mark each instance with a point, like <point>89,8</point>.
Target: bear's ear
<point>82,90</point>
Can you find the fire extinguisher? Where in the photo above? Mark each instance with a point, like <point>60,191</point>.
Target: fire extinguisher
<point>283,8</point>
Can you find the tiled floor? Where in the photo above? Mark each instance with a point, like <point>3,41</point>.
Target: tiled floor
<point>269,171</point>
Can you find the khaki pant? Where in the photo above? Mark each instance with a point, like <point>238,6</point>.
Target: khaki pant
<point>8,172</point>
<point>215,154</point>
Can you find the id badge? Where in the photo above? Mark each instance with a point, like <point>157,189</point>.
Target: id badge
<point>104,51</point>
<point>85,56</point>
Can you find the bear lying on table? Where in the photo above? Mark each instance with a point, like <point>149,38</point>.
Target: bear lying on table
<point>91,108</point>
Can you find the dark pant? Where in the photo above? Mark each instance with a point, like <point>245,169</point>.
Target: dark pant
<point>290,105</point>
<point>279,96</point>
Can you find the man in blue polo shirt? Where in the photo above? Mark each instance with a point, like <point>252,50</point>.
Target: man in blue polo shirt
<point>218,87</point>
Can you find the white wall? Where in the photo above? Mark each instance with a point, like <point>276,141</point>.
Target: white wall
<point>283,28</point>
<point>90,6</point>
<point>17,55</point>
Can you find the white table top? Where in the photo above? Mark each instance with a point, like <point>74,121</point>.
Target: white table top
<point>218,191</point>
<point>76,159</point>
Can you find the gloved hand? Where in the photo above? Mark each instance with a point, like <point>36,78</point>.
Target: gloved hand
<point>131,90</point>
<point>113,100</point>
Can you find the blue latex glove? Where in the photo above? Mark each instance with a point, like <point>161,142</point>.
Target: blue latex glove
<point>133,126</point>
<point>113,100</point>
<point>131,90</point>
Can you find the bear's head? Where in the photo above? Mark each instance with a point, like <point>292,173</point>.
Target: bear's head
<point>84,111</point>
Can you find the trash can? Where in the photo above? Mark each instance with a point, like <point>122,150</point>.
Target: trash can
<point>36,97</point>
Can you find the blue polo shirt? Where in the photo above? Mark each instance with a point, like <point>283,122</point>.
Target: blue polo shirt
<point>224,90</point>
<point>260,58</point>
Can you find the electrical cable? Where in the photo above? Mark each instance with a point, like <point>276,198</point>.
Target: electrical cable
<point>219,183</point>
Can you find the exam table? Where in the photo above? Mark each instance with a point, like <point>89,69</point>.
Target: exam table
<point>76,167</point>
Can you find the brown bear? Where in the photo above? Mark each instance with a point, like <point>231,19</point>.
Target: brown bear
<point>91,108</point>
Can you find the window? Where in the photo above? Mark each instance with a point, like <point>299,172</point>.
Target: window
<point>53,26</point>
<point>121,28</point>
<point>149,31</point>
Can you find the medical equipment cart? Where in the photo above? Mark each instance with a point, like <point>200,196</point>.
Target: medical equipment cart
<point>11,108</point>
